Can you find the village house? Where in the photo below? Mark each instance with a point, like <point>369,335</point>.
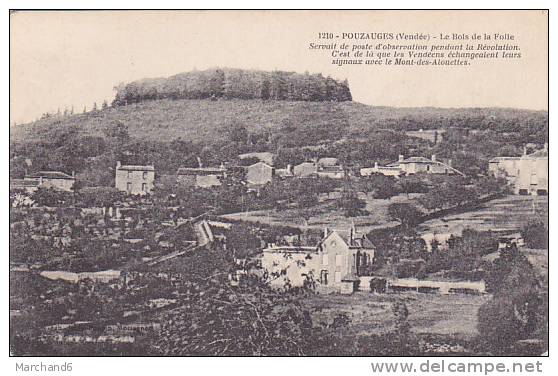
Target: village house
<point>259,173</point>
<point>384,170</point>
<point>323,167</point>
<point>528,173</point>
<point>134,179</point>
<point>413,165</point>
<point>334,265</point>
<point>201,177</point>
<point>305,169</point>
<point>49,179</point>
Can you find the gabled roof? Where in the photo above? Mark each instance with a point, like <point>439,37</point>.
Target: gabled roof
<point>135,168</point>
<point>328,161</point>
<point>260,163</point>
<point>365,242</point>
<point>306,164</point>
<point>200,171</point>
<point>425,161</point>
<point>412,160</point>
<point>330,169</point>
<point>49,175</point>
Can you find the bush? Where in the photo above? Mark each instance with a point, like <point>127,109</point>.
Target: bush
<point>535,234</point>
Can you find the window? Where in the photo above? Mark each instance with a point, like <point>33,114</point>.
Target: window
<point>144,187</point>
<point>323,277</point>
<point>144,175</point>
<point>338,260</point>
<point>428,168</point>
<point>325,260</point>
<point>129,187</point>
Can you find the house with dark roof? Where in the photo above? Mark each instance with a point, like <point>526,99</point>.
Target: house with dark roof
<point>324,167</point>
<point>50,179</point>
<point>201,177</point>
<point>134,179</point>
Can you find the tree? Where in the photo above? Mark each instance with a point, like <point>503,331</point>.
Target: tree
<point>406,214</point>
<point>535,234</point>
<point>350,203</point>
<point>50,197</point>
<point>402,327</point>
<point>237,133</point>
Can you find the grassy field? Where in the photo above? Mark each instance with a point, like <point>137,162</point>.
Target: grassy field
<point>327,216</point>
<point>428,313</point>
<point>509,213</point>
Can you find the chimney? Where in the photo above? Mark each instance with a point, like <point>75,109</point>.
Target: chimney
<point>525,150</point>
<point>546,146</point>
<point>401,157</point>
<point>450,163</point>
<point>326,231</point>
<point>433,157</point>
<point>290,169</point>
<point>376,166</point>
<point>73,174</point>
<point>118,164</point>
<point>200,165</point>
<point>222,166</point>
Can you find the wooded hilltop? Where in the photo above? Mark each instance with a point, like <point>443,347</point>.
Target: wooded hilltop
<point>235,83</point>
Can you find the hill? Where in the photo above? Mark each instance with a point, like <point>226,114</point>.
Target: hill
<point>204,119</point>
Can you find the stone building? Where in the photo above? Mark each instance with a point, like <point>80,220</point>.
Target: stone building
<point>201,177</point>
<point>259,173</point>
<point>134,179</point>
<point>51,179</point>
<point>528,174</point>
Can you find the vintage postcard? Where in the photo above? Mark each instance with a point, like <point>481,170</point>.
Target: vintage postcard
<point>278,183</point>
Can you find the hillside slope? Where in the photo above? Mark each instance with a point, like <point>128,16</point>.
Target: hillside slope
<point>204,119</point>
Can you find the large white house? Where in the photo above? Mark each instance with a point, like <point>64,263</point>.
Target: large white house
<point>333,265</point>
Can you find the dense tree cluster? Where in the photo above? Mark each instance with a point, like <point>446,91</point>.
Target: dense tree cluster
<point>235,83</point>
<point>519,307</point>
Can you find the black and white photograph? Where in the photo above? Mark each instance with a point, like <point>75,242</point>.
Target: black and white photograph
<point>282,183</point>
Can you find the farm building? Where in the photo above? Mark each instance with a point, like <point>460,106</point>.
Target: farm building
<point>50,179</point>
